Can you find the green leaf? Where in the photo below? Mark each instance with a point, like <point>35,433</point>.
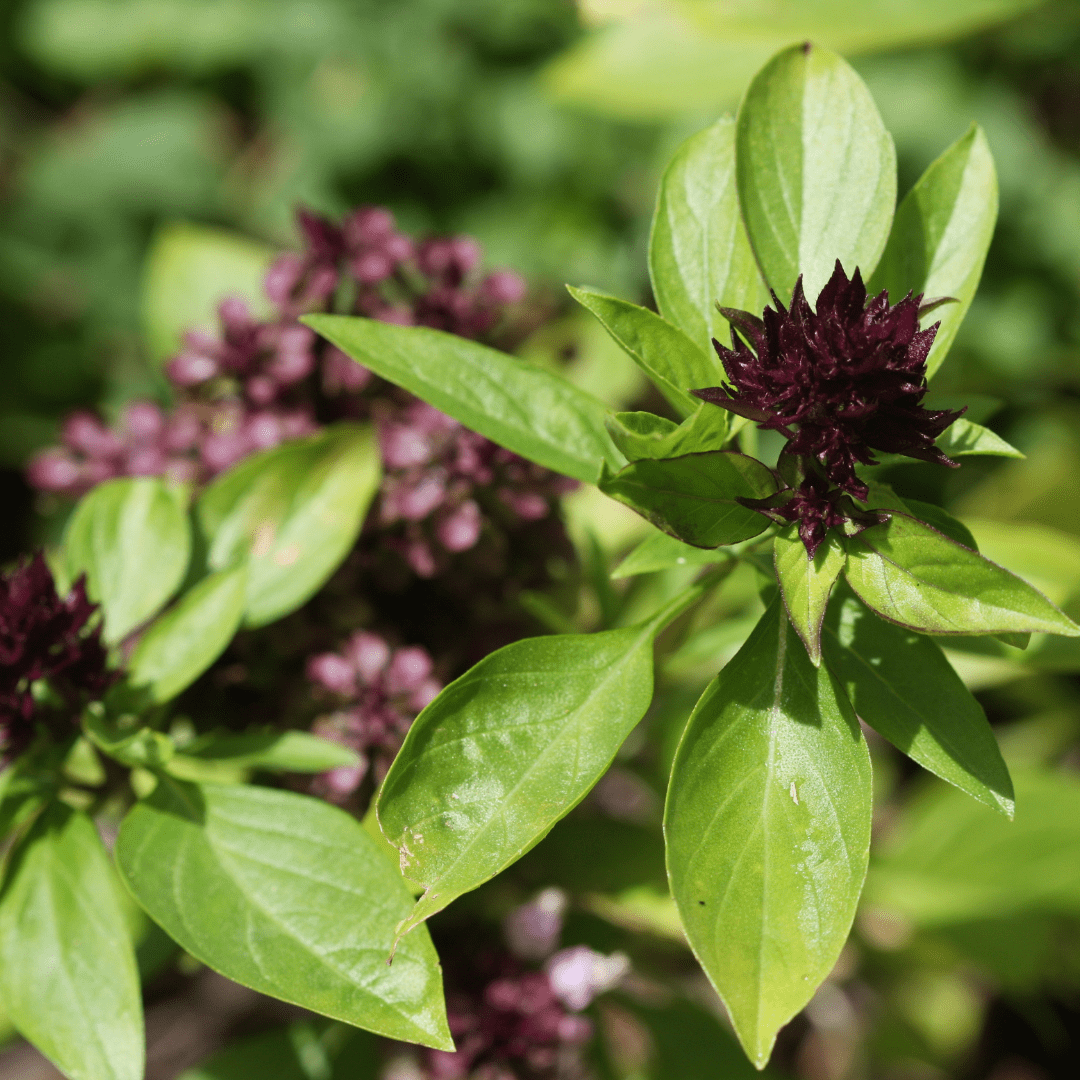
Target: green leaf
<point>126,739</point>
<point>293,513</point>
<point>641,435</point>
<point>67,967</point>
<point>673,362</point>
<point>941,235</point>
<point>903,687</point>
<point>699,255</point>
<point>132,540</point>
<point>816,170</point>
<point>939,519</point>
<point>287,895</point>
<point>660,552</point>
<point>914,575</point>
<point>508,749</point>
<point>694,497</point>
<point>182,643</point>
<point>768,830</point>
<point>520,406</point>
<point>953,860</point>
<point>963,438</point>
<point>189,270</point>
<point>805,583</point>
<point>275,751</point>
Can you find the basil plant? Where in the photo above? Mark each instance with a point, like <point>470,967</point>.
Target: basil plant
<point>776,231</point>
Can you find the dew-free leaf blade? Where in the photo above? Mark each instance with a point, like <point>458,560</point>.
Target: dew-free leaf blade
<point>644,435</point>
<point>805,583</point>
<point>694,497</point>
<point>132,540</point>
<point>275,751</point>
<point>768,829</point>
<point>293,514</point>
<point>67,967</point>
<point>532,412</point>
<point>816,170</point>
<point>699,255</point>
<point>507,750</point>
<point>287,895</point>
<point>660,552</point>
<point>965,438</point>
<point>182,643</point>
<point>916,576</point>
<point>941,235</point>
<point>902,686</point>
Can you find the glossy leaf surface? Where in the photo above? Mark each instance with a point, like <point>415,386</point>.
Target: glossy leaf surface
<point>275,751</point>
<point>530,411</point>
<point>640,435</point>
<point>816,170</point>
<point>965,438</point>
<point>508,749</point>
<point>67,968</point>
<point>292,514</point>
<point>903,687</point>
<point>660,552</point>
<point>699,255</point>
<point>806,584</point>
<point>693,498</point>
<point>187,639</point>
<point>288,895</point>
<point>941,235</point>
<point>768,829</point>
<point>913,575</point>
<point>132,540</point>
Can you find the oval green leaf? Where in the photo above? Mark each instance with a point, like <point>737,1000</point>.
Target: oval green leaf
<point>642,435</point>
<point>768,830</point>
<point>806,584</point>
<point>532,412</point>
<point>694,497</point>
<point>917,577</point>
<point>274,751</point>
<point>293,513</point>
<point>816,170</point>
<point>183,642</point>
<point>67,966</point>
<point>941,235</point>
<point>661,552</point>
<point>699,254</point>
<point>287,895</point>
<point>132,540</point>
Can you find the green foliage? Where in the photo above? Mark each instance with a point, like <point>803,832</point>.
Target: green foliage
<point>806,584</point>
<point>132,540</point>
<point>287,895</point>
<point>274,751</point>
<point>67,968</point>
<point>641,435</point>
<point>768,830</point>
<point>530,411</point>
<point>660,552</point>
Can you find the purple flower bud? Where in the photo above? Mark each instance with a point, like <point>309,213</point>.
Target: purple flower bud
<point>434,257</point>
<point>398,247</point>
<point>503,287</point>
<point>97,470</point>
<point>145,461</point>
<point>420,558</point>
<point>264,430</point>
<point>460,530</point>
<point>368,654</point>
<point>343,374</point>
<point>53,470</point>
<point>465,254</point>
<point>322,282</point>
<point>575,1029</point>
<point>235,315</point>
<point>367,226</point>
<point>294,359</point>
<point>333,672</point>
<point>183,429</point>
<point>402,446</point>
<point>84,432</point>
<point>283,277</point>
<point>296,424</point>
<point>398,316</point>
<point>144,421</point>
<point>371,267</point>
<point>528,505</point>
<point>344,780</point>
<point>322,237</point>
<point>578,974</point>
<point>181,470</point>
<point>260,389</point>
<point>423,695</point>
<point>532,931</point>
<point>408,669</point>
<point>222,450</point>
<point>191,369</point>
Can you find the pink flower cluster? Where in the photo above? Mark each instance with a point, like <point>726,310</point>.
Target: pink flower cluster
<point>377,691</point>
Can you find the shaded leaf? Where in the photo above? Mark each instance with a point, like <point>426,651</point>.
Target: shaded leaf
<point>275,751</point>
<point>660,552</point>
<point>640,435</point>
<point>805,583</point>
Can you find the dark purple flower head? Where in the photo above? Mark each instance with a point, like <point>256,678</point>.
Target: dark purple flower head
<point>840,382</point>
<point>44,636</point>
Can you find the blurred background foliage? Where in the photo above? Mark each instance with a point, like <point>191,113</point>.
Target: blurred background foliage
<point>151,155</point>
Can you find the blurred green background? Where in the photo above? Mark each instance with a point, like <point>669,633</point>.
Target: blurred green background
<point>541,127</point>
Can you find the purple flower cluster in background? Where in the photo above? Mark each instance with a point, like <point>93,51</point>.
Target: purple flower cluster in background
<point>377,691</point>
<point>258,384</point>
<point>44,636</point>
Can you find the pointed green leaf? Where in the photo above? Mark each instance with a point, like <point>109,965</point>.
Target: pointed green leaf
<point>964,438</point>
<point>903,687</point>
<point>916,576</point>
<point>292,513</point>
<point>510,748</point>
<point>768,830</point>
<point>288,895</point>
<point>181,644</point>
<point>941,235</point>
<point>660,552</point>
<point>132,540</point>
<point>699,255</point>
<point>532,412</point>
<point>939,519</point>
<point>274,751</point>
<point>641,435</point>
<point>805,583</point>
<point>694,497</point>
<point>67,966</point>
<point>670,359</point>
<point>816,170</point>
